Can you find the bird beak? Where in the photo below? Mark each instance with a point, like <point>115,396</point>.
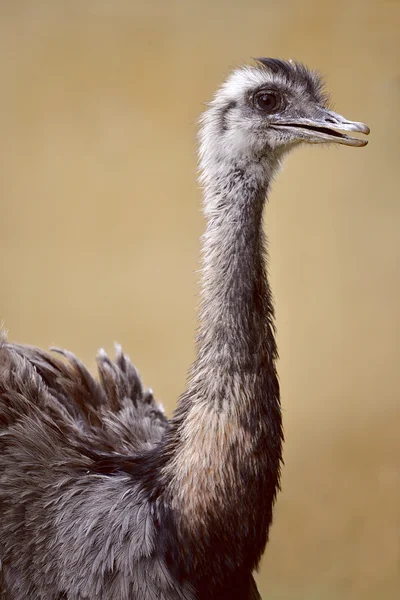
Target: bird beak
<point>327,127</point>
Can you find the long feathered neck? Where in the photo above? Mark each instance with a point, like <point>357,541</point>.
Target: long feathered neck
<point>236,305</point>
<point>224,447</point>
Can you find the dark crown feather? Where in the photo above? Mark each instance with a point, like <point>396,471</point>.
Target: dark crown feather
<point>296,72</point>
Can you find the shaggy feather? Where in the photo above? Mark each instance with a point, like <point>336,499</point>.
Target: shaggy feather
<point>95,527</point>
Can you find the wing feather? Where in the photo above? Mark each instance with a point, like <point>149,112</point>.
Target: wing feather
<point>116,411</point>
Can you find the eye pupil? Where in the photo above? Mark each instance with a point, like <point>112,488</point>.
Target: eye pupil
<point>267,101</point>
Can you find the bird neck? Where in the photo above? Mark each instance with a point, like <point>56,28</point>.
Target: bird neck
<point>235,296</point>
<point>224,446</point>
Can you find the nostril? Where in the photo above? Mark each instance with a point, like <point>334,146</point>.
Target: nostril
<point>328,120</point>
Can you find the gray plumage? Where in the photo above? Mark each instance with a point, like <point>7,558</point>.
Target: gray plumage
<point>101,497</point>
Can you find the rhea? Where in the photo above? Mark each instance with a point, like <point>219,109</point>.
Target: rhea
<point>101,496</point>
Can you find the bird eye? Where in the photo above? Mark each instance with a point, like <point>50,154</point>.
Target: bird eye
<point>267,101</point>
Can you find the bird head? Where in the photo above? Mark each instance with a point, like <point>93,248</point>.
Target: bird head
<point>272,107</point>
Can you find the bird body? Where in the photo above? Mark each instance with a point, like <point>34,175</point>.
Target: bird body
<point>100,495</point>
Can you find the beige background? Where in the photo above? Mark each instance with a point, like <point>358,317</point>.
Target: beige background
<point>100,223</point>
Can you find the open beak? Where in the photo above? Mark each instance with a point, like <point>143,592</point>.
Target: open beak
<point>328,128</point>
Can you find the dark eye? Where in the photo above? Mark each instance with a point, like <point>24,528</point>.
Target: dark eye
<point>267,101</point>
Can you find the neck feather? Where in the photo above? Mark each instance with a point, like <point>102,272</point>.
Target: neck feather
<point>236,305</point>
<point>224,446</point>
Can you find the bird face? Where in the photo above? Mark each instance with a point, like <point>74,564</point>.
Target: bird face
<point>277,105</point>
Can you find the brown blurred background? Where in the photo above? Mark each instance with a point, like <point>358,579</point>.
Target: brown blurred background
<point>100,222</point>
